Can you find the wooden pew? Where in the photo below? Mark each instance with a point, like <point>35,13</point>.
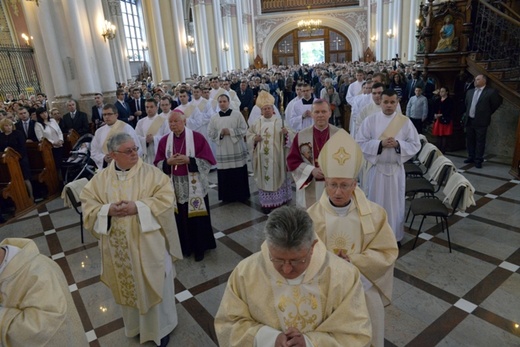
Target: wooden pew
<point>70,141</point>
<point>12,184</point>
<point>42,165</point>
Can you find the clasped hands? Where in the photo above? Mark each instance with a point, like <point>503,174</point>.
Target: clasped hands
<point>390,143</point>
<point>224,132</point>
<point>122,208</point>
<point>317,173</point>
<point>178,159</point>
<point>291,338</point>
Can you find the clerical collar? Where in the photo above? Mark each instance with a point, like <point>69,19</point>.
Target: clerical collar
<point>341,211</point>
<point>119,169</point>
<point>226,113</point>
<point>178,136</point>
<point>308,102</point>
<point>296,281</point>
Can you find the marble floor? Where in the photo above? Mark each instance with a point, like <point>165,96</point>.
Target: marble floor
<point>470,297</point>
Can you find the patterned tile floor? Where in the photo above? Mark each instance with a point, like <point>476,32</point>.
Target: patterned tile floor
<point>470,297</point>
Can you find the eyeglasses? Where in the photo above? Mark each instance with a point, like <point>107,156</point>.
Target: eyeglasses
<point>343,186</point>
<point>129,151</point>
<point>293,263</point>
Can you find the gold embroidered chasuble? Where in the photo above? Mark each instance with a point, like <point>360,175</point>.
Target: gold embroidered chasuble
<point>134,247</point>
<point>364,234</point>
<point>328,306</point>
<point>36,307</point>
<point>270,154</point>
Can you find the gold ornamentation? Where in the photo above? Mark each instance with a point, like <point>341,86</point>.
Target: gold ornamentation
<point>299,310</point>
<point>341,156</point>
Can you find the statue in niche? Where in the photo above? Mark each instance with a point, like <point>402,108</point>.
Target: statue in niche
<point>447,42</point>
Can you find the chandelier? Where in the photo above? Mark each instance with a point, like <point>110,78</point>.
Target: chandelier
<point>309,25</point>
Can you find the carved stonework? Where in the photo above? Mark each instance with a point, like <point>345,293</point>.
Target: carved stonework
<point>114,8</point>
<point>357,20</point>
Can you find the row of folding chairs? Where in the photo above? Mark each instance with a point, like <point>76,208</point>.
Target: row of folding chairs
<point>435,171</point>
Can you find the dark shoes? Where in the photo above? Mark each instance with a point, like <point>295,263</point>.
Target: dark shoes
<point>164,341</point>
<point>469,161</point>
<point>478,165</point>
<point>199,257</point>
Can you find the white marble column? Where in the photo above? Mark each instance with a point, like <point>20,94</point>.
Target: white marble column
<point>159,50</point>
<point>412,41</point>
<point>214,8</point>
<point>118,49</point>
<point>228,41</point>
<point>47,52</point>
<point>105,69</point>
<point>243,34</point>
<point>380,31</point>
<point>78,31</point>
<point>178,27</point>
<point>202,32</point>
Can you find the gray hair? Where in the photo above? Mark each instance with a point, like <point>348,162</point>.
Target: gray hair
<point>117,140</point>
<point>289,228</point>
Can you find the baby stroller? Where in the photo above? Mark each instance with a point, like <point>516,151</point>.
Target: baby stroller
<point>79,164</point>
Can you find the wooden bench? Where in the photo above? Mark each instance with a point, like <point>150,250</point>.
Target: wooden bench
<point>12,184</point>
<point>42,165</point>
<point>70,142</point>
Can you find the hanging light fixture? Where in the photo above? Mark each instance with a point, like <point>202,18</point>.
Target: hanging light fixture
<point>309,25</point>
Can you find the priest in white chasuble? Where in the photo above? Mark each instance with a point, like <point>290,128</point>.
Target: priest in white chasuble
<point>293,292</point>
<point>36,307</point>
<point>354,228</point>
<point>129,206</point>
<point>270,140</point>
<point>302,160</point>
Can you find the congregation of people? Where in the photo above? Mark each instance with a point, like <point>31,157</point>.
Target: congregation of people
<point>331,255</point>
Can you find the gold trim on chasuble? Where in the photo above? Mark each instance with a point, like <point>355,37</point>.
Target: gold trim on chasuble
<point>118,242</point>
<point>298,306</point>
<point>341,235</point>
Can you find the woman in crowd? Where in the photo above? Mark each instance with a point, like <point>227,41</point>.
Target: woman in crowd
<point>10,137</point>
<point>442,110</point>
<point>47,127</point>
<point>398,84</point>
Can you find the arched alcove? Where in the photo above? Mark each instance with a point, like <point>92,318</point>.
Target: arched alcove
<point>334,23</point>
<point>337,47</point>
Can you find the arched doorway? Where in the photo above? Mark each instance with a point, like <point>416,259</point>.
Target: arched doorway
<point>336,47</point>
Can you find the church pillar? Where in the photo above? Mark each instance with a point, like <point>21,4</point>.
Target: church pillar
<point>79,36</point>
<point>118,50</point>
<point>412,41</point>
<point>380,31</point>
<point>201,31</point>
<point>156,42</point>
<point>218,34</point>
<point>230,43</point>
<point>182,53</point>
<point>47,50</point>
<point>105,69</point>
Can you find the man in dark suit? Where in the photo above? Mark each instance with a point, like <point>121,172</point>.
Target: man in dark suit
<point>481,103</point>
<point>75,119</point>
<point>245,94</point>
<point>123,109</point>
<point>97,111</point>
<point>136,104</point>
<point>26,125</point>
<point>416,81</point>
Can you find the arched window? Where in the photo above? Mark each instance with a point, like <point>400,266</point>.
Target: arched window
<point>134,34</point>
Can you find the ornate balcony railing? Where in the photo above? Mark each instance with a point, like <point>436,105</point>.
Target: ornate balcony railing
<point>269,6</point>
<point>496,35</point>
